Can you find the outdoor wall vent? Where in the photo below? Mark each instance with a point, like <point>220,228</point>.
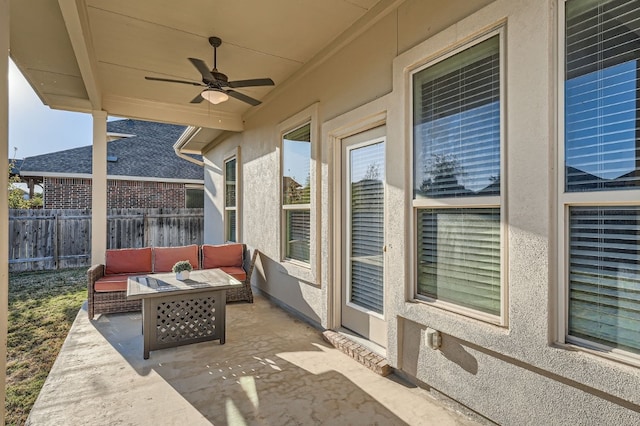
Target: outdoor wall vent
<point>112,158</point>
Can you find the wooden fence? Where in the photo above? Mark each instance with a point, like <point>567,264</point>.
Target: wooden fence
<point>56,239</point>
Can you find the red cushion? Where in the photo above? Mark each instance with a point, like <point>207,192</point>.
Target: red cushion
<point>222,255</point>
<point>126,261</point>
<point>165,257</point>
<point>235,271</point>
<point>111,283</point>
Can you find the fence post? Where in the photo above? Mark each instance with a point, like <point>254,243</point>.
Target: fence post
<point>54,236</point>
<point>145,234</point>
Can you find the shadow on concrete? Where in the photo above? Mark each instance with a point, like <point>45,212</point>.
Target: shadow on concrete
<point>273,369</point>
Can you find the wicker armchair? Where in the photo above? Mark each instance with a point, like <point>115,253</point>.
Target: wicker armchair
<point>244,293</point>
<point>107,302</point>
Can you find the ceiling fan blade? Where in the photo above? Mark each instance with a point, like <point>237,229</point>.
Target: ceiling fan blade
<point>197,99</point>
<point>193,83</point>
<point>242,97</point>
<point>203,68</point>
<point>251,83</point>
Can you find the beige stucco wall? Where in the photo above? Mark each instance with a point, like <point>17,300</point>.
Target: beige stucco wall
<point>512,374</point>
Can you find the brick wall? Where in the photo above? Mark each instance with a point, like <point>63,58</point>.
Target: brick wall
<point>74,193</point>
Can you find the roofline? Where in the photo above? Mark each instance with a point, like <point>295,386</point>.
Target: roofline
<point>116,135</point>
<point>110,177</point>
<point>189,133</point>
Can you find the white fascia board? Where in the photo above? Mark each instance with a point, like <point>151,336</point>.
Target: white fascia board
<point>76,20</point>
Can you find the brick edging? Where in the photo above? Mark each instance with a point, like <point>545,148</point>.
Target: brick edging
<point>364,356</point>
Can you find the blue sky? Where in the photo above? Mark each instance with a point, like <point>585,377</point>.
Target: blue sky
<point>35,128</point>
<point>601,121</point>
<point>296,160</point>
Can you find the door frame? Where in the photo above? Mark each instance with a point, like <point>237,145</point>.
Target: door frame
<point>352,127</point>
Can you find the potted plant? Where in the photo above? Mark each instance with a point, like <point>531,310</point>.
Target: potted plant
<point>182,269</point>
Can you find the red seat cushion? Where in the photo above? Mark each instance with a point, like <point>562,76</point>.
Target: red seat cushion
<point>110,283</point>
<point>165,257</point>
<point>235,271</point>
<point>222,255</point>
<point>127,261</point>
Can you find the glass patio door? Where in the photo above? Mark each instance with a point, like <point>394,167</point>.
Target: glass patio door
<point>363,234</point>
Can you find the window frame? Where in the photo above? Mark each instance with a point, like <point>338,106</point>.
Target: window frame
<point>233,155</point>
<point>493,201</point>
<point>307,272</point>
<point>566,200</point>
<point>190,187</point>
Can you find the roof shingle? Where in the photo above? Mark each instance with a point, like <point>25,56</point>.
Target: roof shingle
<point>149,153</point>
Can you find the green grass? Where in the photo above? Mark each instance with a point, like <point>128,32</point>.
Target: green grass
<point>42,307</point>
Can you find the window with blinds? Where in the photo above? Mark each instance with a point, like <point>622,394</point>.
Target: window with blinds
<point>604,275</point>
<point>230,184</point>
<point>602,156</point>
<point>459,257</point>
<point>601,95</point>
<point>457,157</point>
<point>296,193</point>
<point>457,125</point>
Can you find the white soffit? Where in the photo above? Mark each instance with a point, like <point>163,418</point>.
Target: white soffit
<point>119,42</point>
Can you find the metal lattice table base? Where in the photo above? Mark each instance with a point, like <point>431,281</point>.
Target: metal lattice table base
<point>175,320</point>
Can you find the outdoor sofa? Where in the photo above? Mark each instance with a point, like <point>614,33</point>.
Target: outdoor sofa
<point>107,283</point>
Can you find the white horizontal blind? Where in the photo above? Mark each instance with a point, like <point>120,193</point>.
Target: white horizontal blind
<point>459,257</point>
<point>230,218</point>
<point>298,223</point>
<point>457,125</point>
<point>601,95</point>
<point>604,274</point>
<point>367,226</point>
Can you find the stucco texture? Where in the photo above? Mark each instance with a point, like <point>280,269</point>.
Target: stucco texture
<point>510,372</point>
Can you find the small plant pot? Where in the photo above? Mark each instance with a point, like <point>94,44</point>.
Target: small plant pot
<point>182,275</point>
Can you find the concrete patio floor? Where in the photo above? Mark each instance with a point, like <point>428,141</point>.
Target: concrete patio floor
<point>273,370</point>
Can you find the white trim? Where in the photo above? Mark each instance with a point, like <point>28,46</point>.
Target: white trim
<point>309,272</point>
<point>112,136</point>
<point>497,29</point>
<point>296,207</point>
<point>357,121</point>
<point>491,201</point>
<point>230,156</point>
<point>189,133</point>
<point>186,136</point>
<point>562,291</point>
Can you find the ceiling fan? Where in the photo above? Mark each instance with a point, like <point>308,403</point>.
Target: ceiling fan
<point>218,88</point>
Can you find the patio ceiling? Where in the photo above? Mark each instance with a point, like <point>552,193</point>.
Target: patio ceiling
<point>88,55</point>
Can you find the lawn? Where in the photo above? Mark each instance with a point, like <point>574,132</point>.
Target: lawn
<point>42,307</point>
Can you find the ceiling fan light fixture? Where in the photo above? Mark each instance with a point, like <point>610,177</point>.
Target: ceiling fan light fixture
<point>214,96</point>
